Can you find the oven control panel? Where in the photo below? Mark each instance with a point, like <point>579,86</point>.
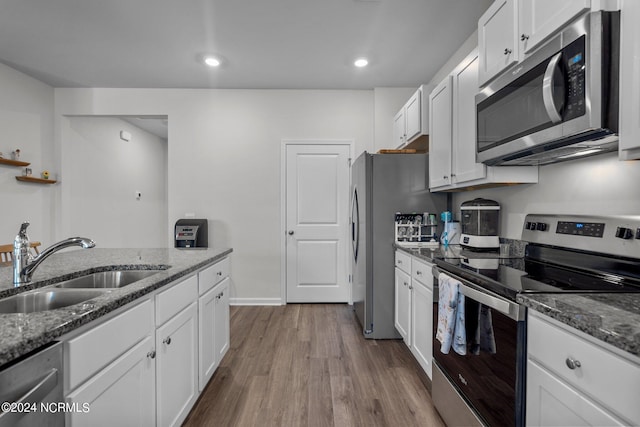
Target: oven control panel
<point>590,229</point>
<point>615,235</point>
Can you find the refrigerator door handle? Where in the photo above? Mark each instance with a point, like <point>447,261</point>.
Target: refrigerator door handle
<point>355,224</point>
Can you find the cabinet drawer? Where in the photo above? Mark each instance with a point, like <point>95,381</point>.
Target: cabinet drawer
<point>403,261</point>
<point>212,275</point>
<point>90,352</point>
<point>170,302</point>
<point>603,375</point>
<point>421,271</point>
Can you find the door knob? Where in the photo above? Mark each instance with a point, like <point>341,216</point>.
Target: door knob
<point>290,232</point>
<point>151,354</point>
<point>167,341</point>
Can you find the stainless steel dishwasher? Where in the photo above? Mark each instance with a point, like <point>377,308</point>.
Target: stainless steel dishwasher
<point>31,389</point>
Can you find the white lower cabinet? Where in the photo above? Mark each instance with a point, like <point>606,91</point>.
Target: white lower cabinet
<point>414,306</point>
<point>422,314</point>
<point>221,326</point>
<point>402,316</point>
<point>121,394</point>
<point>142,365</point>
<point>574,380</point>
<point>177,367</point>
<point>213,318</point>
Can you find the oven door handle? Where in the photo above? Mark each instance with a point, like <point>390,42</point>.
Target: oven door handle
<point>508,308</point>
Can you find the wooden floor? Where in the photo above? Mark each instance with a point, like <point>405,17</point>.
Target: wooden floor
<point>309,365</point>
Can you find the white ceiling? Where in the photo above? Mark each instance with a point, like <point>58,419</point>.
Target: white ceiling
<point>265,44</point>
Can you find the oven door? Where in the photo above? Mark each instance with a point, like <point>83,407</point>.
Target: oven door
<point>490,376</point>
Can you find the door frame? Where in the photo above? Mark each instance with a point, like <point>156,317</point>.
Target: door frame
<point>283,206</point>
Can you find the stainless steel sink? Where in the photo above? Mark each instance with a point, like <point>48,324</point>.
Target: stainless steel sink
<point>107,279</point>
<point>47,299</point>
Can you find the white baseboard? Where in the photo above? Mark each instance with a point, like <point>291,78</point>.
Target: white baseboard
<point>255,301</point>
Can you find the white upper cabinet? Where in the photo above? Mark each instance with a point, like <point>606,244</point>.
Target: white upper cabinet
<point>414,115</point>
<point>538,19</point>
<point>452,137</point>
<point>440,134</point>
<point>498,38</point>
<point>465,86</point>
<point>412,121</point>
<point>510,29</point>
<point>629,142</point>
<point>399,129</point>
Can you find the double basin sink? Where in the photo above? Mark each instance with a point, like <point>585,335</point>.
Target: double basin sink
<point>73,291</point>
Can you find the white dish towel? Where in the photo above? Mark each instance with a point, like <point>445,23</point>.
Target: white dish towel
<point>451,328</point>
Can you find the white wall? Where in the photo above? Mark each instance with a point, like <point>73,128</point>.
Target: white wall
<point>26,121</point>
<point>102,173</point>
<point>599,185</point>
<point>224,159</point>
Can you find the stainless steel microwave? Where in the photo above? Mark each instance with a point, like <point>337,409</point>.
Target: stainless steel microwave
<point>559,103</point>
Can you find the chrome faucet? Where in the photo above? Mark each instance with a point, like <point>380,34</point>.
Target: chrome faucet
<point>24,264</point>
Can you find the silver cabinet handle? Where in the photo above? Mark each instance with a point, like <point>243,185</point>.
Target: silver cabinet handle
<point>290,232</point>
<point>418,273</point>
<point>524,37</point>
<point>400,261</point>
<point>410,287</point>
<point>572,363</point>
<point>507,51</point>
<point>151,354</point>
<point>406,284</point>
<point>219,273</point>
<point>167,341</point>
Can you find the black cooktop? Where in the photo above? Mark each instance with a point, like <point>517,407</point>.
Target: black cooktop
<point>545,270</point>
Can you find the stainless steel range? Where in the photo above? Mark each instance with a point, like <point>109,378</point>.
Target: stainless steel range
<point>481,380</point>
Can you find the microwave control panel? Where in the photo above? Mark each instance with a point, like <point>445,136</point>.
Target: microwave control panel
<point>574,65</point>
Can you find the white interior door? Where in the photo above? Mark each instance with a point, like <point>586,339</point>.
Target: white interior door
<point>317,218</point>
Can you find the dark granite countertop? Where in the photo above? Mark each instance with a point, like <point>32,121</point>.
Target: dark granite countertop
<point>22,333</point>
<point>612,318</point>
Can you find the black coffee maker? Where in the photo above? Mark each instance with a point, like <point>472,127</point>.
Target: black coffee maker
<point>191,233</point>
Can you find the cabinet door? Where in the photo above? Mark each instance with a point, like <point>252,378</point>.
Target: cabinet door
<point>121,394</point>
<point>465,88</point>
<point>222,320</point>
<point>497,39</point>
<point>440,134</point>
<point>629,81</point>
<point>177,367</point>
<point>207,360</point>
<point>403,305</point>
<point>551,402</point>
<point>399,126</point>
<point>537,19</point>
<point>422,324</point>
<point>413,116</point>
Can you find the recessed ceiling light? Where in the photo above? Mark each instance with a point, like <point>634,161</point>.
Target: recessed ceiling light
<point>211,61</point>
<point>361,62</point>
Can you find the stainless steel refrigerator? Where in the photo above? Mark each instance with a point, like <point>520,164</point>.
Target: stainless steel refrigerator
<point>383,184</point>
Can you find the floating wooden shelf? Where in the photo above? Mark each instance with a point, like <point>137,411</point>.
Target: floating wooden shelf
<point>36,180</point>
<point>10,162</point>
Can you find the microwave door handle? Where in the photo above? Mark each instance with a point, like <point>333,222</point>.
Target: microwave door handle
<point>547,89</point>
